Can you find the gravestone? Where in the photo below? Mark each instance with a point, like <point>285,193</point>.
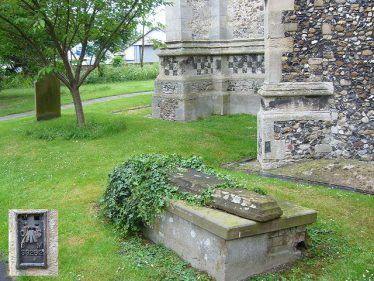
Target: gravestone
<point>226,245</point>
<point>48,98</point>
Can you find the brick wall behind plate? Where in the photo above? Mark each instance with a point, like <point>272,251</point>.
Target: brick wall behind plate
<point>334,42</point>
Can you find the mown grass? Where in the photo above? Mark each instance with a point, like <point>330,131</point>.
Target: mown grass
<point>22,100</point>
<point>71,175</point>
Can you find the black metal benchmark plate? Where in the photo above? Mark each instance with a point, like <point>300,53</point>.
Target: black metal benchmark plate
<point>31,240</point>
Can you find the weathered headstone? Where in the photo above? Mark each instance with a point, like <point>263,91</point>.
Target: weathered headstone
<point>237,201</point>
<point>48,98</point>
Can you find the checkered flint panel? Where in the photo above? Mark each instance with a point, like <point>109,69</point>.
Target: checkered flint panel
<point>170,66</point>
<point>203,65</point>
<point>247,64</point>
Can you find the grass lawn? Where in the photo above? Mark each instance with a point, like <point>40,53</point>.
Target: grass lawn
<point>71,176</point>
<point>21,100</point>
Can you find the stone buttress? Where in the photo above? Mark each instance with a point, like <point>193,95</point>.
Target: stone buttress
<point>214,60</point>
<point>318,95</point>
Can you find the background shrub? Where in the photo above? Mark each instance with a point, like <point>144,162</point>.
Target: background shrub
<point>118,61</point>
<point>126,72</point>
<point>16,81</point>
<point>119,72</point>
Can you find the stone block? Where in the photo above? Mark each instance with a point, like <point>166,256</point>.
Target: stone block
<point>193,181</point>
<point>237,201</point>
<point>323,148</point>
<point>326,29</point>
<point>46,248</point>
<point>48,98</point>
<point>215,76</point>
<point>228,247</point>
<point>246,204</point>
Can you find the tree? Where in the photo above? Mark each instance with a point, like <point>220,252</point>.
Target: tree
<point>143,44</point>
<point>45,32</point>
<point>149,24</point>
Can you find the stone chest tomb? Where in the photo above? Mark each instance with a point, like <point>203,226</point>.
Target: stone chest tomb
<point>243,235</point>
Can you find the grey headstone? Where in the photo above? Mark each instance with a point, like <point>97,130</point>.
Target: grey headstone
<point>48,98</point>
<point>240,202</point>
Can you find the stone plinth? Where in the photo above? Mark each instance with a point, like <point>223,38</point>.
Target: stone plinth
<point>228,247</point>
<point>48,98</point>
<point>294,122</point>
<point>31,241</point>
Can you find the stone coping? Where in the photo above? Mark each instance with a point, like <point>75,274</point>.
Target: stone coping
<point>306,115</point>
<point>239,42</point>
<point>215,93</point>
<point>231,227</point>
<point>28,211</point>
<point>297,89</point>
<point>209,51</point>
<point>221,47</point>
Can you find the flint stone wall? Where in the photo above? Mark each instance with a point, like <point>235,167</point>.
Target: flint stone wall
<point>245,18</point>
<point>332,41</point>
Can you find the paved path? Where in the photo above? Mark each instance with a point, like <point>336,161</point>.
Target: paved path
<point>3,272</point>
<point>68,106</point>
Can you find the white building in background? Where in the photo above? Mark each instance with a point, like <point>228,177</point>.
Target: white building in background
<point>89,58</point>
<point>133,53</point>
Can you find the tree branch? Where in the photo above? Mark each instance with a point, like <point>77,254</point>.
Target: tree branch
<point>26,37</point>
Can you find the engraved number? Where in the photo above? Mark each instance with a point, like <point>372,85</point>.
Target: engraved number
<point>32,252</point>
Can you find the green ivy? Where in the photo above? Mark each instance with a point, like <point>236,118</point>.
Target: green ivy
<point>139,190</point>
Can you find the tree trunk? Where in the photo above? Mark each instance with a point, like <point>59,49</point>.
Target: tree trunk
<point>81,122</point>
<point>143,47</point>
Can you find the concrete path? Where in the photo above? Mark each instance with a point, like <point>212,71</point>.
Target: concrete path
<point>68,106</point>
